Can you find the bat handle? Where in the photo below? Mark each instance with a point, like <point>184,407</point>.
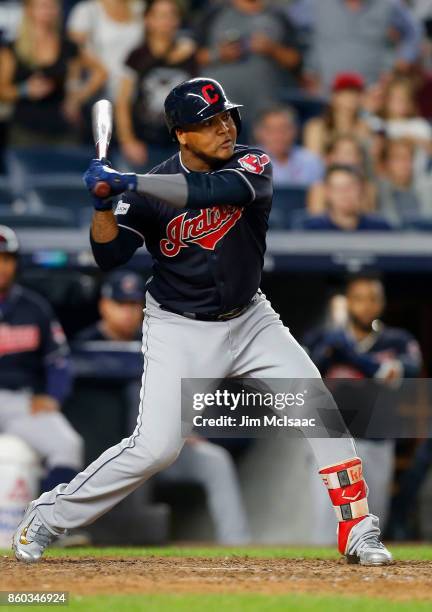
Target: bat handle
<point>102,189</point>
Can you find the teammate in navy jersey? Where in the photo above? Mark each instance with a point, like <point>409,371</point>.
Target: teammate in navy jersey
<point>366,348</point>
<point>35,376</point>
<point>203,216</point>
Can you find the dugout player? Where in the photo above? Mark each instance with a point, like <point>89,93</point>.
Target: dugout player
<point>365,348</point>
<point>203,215</point>
<point>35,377</point>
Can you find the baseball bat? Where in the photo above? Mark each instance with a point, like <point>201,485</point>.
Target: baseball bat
<point>102,121</point>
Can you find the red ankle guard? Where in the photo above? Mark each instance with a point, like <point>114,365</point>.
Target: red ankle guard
<point>348,493</point>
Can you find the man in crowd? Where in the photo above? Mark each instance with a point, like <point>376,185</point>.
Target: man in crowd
<point>345,199</point>
<point>403,197</point>
<point>252,48</point>
<point>363,36</point>
<point>293,165</point>
<point>201,462</point>
<point>366,348</point>
<point>35,377</point>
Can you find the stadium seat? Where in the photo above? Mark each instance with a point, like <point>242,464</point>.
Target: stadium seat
<point>286,202</point>
<point>71,196</point>
<point>48,217</point>
<point>30,166</point>
<point>6,194</point>
<point>422,225</point>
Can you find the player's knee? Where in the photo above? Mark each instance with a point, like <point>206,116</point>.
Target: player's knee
<point>165,455</point>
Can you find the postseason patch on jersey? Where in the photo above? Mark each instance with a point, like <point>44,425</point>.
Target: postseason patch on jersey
<point>252,162</point>
<point>122,208</point>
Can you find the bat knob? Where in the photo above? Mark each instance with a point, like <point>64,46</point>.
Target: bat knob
<point>102,190</point>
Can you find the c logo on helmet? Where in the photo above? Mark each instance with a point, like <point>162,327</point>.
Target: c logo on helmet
<point>205,92</point>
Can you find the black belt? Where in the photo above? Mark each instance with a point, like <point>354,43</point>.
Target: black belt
<point>207,316</point>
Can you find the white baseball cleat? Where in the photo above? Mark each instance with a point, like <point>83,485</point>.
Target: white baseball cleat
<point>31,537</point>
<point>371,552</point>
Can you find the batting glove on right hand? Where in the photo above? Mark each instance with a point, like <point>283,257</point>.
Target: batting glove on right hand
<point>100,171</point>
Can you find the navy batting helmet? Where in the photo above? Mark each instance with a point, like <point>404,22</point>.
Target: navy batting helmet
<point>195,101</point>
<point>8,240</point>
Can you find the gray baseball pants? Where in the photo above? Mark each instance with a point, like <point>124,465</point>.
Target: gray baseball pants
<point>255,344</point>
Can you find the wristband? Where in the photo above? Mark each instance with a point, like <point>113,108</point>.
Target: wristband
<point>102,205</point>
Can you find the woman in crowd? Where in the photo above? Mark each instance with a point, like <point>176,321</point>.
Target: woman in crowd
<point>400,119</point>
<point>152,70</point>
<point>400,114</point>
<point>110,29</point>
<point>403,199</point>
<point>40,73</point>
<point>345,150</point>
<point>342,116</point>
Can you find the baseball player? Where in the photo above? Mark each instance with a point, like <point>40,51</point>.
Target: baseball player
<point>34,373</point>
<point>361,348</point>
<point>203,216</point>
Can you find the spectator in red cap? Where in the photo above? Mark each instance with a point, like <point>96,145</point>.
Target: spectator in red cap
<point>342,115</point>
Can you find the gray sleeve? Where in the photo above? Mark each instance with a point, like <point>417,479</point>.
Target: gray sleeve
<point>171,188</point>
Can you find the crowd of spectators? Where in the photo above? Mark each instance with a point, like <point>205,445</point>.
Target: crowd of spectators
<point>367,66</point>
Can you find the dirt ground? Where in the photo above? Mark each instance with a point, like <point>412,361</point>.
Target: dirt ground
<point>404,580</point>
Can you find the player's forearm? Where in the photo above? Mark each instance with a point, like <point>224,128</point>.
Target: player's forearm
<point>109,255</point>
<point>104,226</point>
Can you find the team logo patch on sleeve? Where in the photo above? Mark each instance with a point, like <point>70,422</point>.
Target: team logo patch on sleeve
<point>252,162</point>
<point>121,208</point>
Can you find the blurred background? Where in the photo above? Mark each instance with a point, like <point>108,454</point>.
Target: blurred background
<point>339,93</point>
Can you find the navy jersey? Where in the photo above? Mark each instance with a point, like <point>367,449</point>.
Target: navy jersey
<point>338,355</point>
<point>33,347</point>
<point>206,260</point>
